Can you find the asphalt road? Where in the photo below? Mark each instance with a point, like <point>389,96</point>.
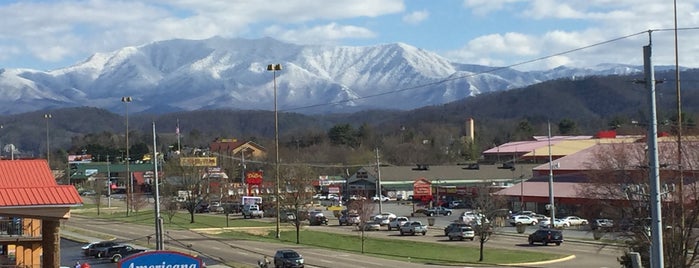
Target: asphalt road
<point>214,250</point>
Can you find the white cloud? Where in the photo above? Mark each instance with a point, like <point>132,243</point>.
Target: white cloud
<point>102,25</point>
<point>322,34</point>
<point>416,17</point>
<point>483,7</point>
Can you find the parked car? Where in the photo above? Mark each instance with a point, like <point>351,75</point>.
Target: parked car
<point>317,218</point>
<point>252,211</point>
<point>438,211</point>
<point>461,233</point>
<point>333,197</point>
<point>546,236</point>
<point>349,219</point>
<point>413,227</point>
<point>116,253</point>
<point>397,222</point>
<point>540,217</point>
<point>91,249</point>
<point>457,204</point>
<point>575,220</point>
<point>370,226</point>
<point>601,224</point>
<point>471,216</point>
<point>557,223</point>
<point>521,219</point>
<point>288,216</point>
<point>288,258</point>
<point>382,198</point>
<point>453,226</point>
<point>383,218</point>
<point>524,213</point>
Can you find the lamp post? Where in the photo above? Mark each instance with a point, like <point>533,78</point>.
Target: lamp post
<point>1,147</point>
<point>274,68</point>
<point>129,188</point>
<point>48,146</point>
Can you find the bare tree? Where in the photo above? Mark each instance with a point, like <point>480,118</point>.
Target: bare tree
<point>365,209</point>
<point>489,209</point>
<point>296,193</point>
<point>98,188</point>
<point>189,180</point>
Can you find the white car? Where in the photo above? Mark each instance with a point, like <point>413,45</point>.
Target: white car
<point>397,222</point>
<point>524,220</point>
<point>383,198</point>
<point>471,217</point>
<point>383,218</point>
<point>575,220</point>
<point>558,223</point>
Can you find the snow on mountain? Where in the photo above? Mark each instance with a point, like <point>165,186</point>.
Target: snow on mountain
<point>173,75</point>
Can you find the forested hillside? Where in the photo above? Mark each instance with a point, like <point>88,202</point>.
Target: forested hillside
<point>431,135</point>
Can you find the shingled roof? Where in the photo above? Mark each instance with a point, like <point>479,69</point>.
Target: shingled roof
<point>31,183</point>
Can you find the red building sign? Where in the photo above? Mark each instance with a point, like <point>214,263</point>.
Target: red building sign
<point>253,177</point>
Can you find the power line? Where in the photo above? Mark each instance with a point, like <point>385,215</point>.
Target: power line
<point>494,69</point>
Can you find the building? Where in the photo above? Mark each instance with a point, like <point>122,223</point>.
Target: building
<point>447,181</point>
<point>32,206</point>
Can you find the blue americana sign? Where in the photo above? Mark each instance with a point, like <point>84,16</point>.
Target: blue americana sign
<point>160,259</point>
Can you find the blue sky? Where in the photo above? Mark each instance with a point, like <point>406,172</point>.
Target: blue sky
<point>48,35</point>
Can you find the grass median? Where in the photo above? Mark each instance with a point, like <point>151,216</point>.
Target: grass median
<point>447,253</point>
<point>443,253</point>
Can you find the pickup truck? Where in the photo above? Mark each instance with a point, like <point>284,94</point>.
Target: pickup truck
<point>252,211</point>
<point>413,227</point>
<point>437,211</point>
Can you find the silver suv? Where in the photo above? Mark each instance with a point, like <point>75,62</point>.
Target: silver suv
<point>462,233</point>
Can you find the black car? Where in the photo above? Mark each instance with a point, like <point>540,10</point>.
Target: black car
<point>115,254</point>
<point>94,248</point>
<point>318,219</point>
<point>288,258</point>
<point>546,236</point>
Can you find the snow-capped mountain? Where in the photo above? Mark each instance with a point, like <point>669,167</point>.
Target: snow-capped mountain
<point>176,75</point>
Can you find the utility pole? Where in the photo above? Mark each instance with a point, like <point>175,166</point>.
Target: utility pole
<point>378,181</point>
<point>109,184</point>
<point>656,257</point>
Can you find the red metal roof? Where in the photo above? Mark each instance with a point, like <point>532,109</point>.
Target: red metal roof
<point>31,183</point>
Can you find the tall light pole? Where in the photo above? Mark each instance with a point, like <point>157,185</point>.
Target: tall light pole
<point>274,68</point>
<point>1,147</point>
<point>48,146</point>
<point>129,188</point>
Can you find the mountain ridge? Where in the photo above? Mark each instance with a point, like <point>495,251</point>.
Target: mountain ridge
<point>220,73</point>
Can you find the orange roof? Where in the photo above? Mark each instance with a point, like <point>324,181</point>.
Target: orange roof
<point>31,183</point>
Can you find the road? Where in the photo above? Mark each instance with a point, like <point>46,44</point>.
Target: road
<point>214,249</point>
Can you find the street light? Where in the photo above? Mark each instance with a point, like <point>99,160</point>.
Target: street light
<point>48,147</point>
<point>129,188</point>
<point>274,68</point>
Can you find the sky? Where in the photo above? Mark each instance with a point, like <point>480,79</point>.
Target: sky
<point>525,34</point>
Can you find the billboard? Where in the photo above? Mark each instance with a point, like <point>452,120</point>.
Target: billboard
<point>198,161</point>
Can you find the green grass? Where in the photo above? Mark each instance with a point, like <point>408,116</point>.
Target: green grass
<point>181,220</point>
<point>421,252</point>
